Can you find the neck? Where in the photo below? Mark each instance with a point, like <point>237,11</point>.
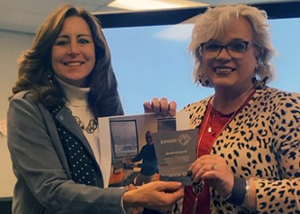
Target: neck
<point>228,101</point>
<point>75,96</point>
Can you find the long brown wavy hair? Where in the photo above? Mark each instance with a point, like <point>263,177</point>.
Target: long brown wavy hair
<point>35,66</point>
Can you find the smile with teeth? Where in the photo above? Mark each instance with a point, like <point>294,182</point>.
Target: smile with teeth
<point>223,70</point>
<point>73,64</point>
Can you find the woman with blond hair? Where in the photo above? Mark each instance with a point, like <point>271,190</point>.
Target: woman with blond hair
<point>248,144</point>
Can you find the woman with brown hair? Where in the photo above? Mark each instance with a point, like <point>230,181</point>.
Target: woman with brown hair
<point>65,83</point>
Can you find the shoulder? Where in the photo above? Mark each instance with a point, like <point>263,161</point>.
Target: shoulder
<point>270,91</point>
<point>278,98</point>
<point>197,106</point>
<point>23,95</point>
<point>23,102</point>
<point>196,111</point>
<point>145,147</point>
<point>278,107</point>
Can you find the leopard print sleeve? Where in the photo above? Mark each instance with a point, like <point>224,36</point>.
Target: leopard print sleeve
<point>261,143</point>
<point>282,195</point>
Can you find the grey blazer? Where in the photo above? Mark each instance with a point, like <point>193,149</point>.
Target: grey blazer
<point>44,182</point>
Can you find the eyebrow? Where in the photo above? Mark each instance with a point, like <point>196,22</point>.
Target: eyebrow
<point>79,35</point>
<point>234,39</point>
<point>239,39</point>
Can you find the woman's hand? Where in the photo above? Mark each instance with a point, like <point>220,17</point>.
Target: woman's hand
<point>156,195</point>
<point>160,107</point>
<point>214,171</point>
<point>134,210</point>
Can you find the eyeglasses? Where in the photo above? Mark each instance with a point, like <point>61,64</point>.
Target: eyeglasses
<point>235,49</point>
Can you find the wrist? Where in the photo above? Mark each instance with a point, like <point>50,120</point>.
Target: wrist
<point>129,199</point>
<point>228,191</point>
<point>247,193</point>
<point>240,192</point>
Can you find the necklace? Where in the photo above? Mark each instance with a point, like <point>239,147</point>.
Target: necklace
<point>198,187</point>
<point>217,120</point>
<point>201,189</point>
<point>209,130</point>
<point>212,115</point>
<point>90,128</point>
<point>208,116</point>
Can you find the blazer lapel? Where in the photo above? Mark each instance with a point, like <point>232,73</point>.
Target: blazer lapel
<point>65,117</point>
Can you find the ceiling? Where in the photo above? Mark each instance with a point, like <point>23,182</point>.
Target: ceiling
<point>27,15</point>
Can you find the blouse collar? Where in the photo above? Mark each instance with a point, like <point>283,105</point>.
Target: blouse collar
<point>76,96</point>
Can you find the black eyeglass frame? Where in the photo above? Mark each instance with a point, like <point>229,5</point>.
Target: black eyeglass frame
<point>247,43</point>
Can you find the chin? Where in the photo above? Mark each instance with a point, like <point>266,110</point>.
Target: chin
<point>223,84</point>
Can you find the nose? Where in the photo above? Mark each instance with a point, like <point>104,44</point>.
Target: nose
<point>223,54</point>
<point>73,49</point>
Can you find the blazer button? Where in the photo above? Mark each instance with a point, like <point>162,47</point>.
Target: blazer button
<point>61,117</point>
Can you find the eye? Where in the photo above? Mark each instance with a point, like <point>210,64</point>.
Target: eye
<point>211,47</point>
<point>83,41</point>
<point>61,42</point>
<point>237,46</point>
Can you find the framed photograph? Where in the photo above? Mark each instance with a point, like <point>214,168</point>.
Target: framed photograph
<point>166,124</point>
<point>124,138</point>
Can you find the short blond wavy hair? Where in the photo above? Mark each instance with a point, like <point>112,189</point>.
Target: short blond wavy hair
<point>214,23</point>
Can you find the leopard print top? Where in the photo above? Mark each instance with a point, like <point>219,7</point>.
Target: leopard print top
<point>261,142</point>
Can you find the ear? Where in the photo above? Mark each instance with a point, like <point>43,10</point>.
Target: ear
<point>258,56</point>
<point>257,53</point>
<point>258,62</point>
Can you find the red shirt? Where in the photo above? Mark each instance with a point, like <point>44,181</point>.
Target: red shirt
<point>219,121</point>
<point>213,124</point>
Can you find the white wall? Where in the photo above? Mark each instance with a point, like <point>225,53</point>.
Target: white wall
<point>12,44</point>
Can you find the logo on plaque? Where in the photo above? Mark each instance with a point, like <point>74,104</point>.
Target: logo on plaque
<point>184,139</point>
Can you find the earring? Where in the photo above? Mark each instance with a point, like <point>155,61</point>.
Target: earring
<point>256,67</point>
<point>260,70</point>
<point>259,84</point>
<point>203,82</point>
<point>50,76</point>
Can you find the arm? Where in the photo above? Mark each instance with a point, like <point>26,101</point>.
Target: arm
<point>155,195</point>
<point>265,195</point>
<point>139,157</point>
<point>38,165</point>
<point>274,178</point>
<point>283,195</point>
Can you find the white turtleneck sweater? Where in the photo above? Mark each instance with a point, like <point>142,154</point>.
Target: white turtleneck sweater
<point>77,103</point>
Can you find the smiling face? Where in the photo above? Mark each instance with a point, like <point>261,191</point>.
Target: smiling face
<point>73,52</point>
<point>227,72</point>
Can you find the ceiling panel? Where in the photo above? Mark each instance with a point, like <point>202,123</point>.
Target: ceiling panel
<point>27,15</point>
<point>275,10</point>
